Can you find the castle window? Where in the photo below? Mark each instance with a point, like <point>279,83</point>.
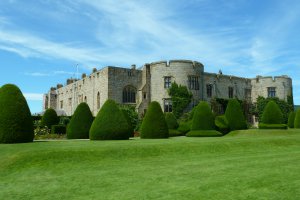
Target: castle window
<point>85,99</point>
<point>209,88</point>
<point>167,105</point>
<point>145,95</point>
<point>129,94</point>
<point>98,100</point>
<point>248,94</point>
<point>61,104</point>
<point>230,92</point>
<point>70,101</point>
<point>193,82</point>
<point>271,92</point>
<point>167,81</point>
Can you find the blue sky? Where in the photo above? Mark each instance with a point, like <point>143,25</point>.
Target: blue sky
<point>42,41</point>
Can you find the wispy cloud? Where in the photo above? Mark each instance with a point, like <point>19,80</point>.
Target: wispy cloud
<point>51,73</point>
<point>33,96</point>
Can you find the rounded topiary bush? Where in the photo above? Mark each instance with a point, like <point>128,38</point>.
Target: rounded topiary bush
<point>110,123</point>
<point>171,121</point>
<point>272,114</point>
<point>50,118</point>
<point>154,124</point>
<point>234,115</point>
<point>203,118</point>
<point>291,119</point>
<point>80,123</point>
<point>297,119</point>
<point>16,125</point>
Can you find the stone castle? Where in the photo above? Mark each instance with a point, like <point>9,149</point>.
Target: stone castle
<point>139,87</point>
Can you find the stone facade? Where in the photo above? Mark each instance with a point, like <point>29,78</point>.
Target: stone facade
<point>139,87</point>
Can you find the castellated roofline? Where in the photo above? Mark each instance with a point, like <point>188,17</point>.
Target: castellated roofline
<point>170,62</point>
<point>274,78</point>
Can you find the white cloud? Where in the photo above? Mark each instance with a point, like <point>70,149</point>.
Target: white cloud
<point>33,96</point>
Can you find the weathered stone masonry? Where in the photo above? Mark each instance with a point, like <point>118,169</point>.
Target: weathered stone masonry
<point>139,87</point>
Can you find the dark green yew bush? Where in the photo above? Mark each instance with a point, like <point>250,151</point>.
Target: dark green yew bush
<point>16,125</point>
<point>234,115</point>
<point>203,118</point>
<point>171,121</point>
<point>291,119</point>
<point>297,119</point>
<point>50,118</point>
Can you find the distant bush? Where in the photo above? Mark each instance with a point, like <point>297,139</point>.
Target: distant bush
<point>174,133</point>
<point>272,126</point>
<point>272,114</point>
<point>50,118</point>
<point>154,124</point>
<point>297,119</point>
<point>222,124</point>
<point>110,123</point>
<point>185,127</point>
<point>171,121</point>
<point>131,128</point>
<point>203,118</point>
<point>80,123</point>
<point>203,133</point>
<point>234,115</point>
<point>291,119</point>
<point>58,129</point>
<point>16,125</point>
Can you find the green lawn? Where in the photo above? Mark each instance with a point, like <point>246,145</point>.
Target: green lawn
<point>245,165</point>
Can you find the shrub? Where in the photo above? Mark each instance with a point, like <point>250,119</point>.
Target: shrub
<point>154,124</point>
<point>203,118</point>
<point>297,119</point>
<point>110,123</point>
<point>174,133</point>
<point>184,127</point>
<point>126,115</point>
<point>272,114</point>
<point>203,133</point>
<point>272,126</point>
<point>171,121</point>
<point>291,119</point>
<point>58,129</point>
<point>16,125</point>
<point>80,123</point>
<point>222,124</point>
<point>49,118</point>
<point>235,116</point>
<point>132,114</point>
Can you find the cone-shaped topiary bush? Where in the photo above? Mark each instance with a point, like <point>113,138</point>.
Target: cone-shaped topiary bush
<point>171,121</point>
<point>154,124</point>
<point>110,123</point>
<point>80,123</point>
<point>235,116</point>
<point>297,119</point>
<point>291,119</point>
<point>203,118</point>
<point>50,118</point>
<point>272,114</point>
<point>16,124</point>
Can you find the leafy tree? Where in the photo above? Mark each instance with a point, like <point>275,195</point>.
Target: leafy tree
<point>80,123</point>
<point>272,114</point>
<point>131,114</point>
<point>110,123</point>
<point>154,124</point>
<point>203,117</point>
<point>181,98</point>
<point>235,116</point>
<point>50,118</point>
<point>16,125</point>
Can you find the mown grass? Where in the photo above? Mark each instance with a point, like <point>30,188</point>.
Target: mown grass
<point>250,165</point>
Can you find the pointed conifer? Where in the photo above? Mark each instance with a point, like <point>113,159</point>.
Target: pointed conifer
<point>235,116</point>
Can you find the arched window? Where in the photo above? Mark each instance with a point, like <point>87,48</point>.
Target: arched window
<point>85,99</point>
<point>98,100</point>
<point>129,93</point>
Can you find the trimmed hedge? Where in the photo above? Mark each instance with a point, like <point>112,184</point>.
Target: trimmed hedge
<point>272,126</point>
<point>272,114</point>
<point>80,123</point>
<point>291,119</point>
<point>58,129</point>
<point>16,125</point>
<point>171,121</point>
<point>234,115</point>
<point>222,124</point>
<point>204,133</point>
<point>203,118</point>
<point>110,123</point>
<point>297,119</point>
<point>184,127</point>
<point>154,124</point>
<point>50,118</point>
<point>174,133</point>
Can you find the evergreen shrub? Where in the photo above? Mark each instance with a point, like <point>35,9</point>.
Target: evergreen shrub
<point>272,114</point>
<point>203,118</point>
<point>16,125</point>
<point>185,127</point>
<point>222,124</point>
<point>110,123</point>
<point>58,129</point>
<point>80,123</point>
<point>272,126</point>
<point>203,133</point>
<point>297,119</point>
<point>50,118</point>
<point>291,119</point>
<point>171,121</point>
<point>154,124</point>
<point>234,115</point>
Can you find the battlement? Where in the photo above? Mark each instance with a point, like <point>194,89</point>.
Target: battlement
<point>272,78</point>
<point>170,63</point>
